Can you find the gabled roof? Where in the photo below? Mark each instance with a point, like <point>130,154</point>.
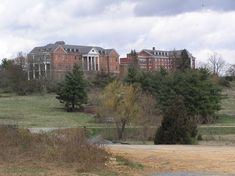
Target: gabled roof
<point>109,51</point>
<point>160,53</point>
<point>70,48</point>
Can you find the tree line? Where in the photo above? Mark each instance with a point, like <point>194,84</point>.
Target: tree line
<point>184,99</point>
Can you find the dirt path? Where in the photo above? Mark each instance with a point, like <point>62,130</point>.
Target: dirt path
<point>178,158</point>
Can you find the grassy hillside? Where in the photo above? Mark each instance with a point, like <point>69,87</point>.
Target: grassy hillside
<point>46,111</point>
<point>38,111</point>
<point>224,129</point>
<point>227,114</point>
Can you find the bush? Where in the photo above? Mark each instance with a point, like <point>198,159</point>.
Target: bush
<point>177,126</point>
<point>102,79</point>
<point>68,146</point>
<point>199,137</point>
<point>229,78</point>
<point>224,82</point>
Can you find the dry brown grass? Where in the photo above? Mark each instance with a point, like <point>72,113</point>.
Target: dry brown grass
<point>218,160</point>
<point>68,147</point>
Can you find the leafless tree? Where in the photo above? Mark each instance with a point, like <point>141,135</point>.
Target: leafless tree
<point>231,70</point>
<point>20,59</point>
<point>216,63</point>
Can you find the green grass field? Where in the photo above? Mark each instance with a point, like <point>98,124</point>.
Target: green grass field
<point>39,111</point>
<point>228,106</point>
<point>46,111</point>
<point>224,127</point>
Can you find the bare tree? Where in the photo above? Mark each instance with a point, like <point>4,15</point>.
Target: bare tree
<point>231,70</point>
<point>216,63</point>
<point>20,59</point>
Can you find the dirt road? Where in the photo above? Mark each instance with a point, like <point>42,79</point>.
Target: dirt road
<point>178,158</point>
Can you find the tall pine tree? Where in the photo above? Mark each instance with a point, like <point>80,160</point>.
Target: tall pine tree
<point>73,90</point>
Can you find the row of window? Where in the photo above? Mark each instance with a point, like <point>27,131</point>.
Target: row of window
<point>77,50</point>
<point>160,53</point>
<point>156,61</point>
<point>157,67</point>
<point>71,50</point>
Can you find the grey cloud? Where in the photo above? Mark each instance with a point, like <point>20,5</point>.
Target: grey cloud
<point>95,7</point>
<point>174,7</point>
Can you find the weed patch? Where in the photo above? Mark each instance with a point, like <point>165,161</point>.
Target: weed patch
<point>63,146</point>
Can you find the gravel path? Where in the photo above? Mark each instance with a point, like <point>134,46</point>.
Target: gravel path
<point>42,130</point>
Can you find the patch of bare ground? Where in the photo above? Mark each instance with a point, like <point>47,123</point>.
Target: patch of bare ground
<point>178,158</point>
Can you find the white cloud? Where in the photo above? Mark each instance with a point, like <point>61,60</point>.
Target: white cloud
<point>112,24</point>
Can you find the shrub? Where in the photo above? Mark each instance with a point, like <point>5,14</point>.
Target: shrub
<point>68,146</point>
<point>224,82</point>
<point>102,79</point>
<point>199,137</point>
<point>177,126</point>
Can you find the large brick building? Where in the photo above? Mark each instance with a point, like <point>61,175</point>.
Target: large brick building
<point>151,60</point>
<point>53,61</point>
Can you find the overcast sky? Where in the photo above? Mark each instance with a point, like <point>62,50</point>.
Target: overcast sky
<point>201,26</point>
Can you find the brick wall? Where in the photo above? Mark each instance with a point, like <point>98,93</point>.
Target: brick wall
<point>62,62</point>
<point>109,63</point>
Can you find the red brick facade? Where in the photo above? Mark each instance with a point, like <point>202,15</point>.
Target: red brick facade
<point>62,62</point>
<point>53,61</point>
<point>152,60</point>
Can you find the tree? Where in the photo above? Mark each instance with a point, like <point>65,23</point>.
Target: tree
<point>119,102</point>
<point>102,79</point>
<point>216,63</point>
<point>201,95</point>
<point>231,71</point>
<point>177,126</point>
<point>133,75</point>
<point>13,77</point>
<point>72,91</point>
<point>20,59</point>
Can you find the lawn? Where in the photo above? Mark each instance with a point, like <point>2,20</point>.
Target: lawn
<point>228,106</point>
<point>39,111</point>
<point>46,111</point>
<point>227,113</point>
<point>224,127</point>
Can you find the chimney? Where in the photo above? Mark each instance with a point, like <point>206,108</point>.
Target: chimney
<point>153,48</point>
<point>60,43</point>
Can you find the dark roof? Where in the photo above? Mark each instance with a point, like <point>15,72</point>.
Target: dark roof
<point>108,51</point>
<point>73,48</point>
<point>160,53</point>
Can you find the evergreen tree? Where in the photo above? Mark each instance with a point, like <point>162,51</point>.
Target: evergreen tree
<point>201,96</point>
<point>133,75</point>
<point>177,126</point>
<point>73,90</point>
<point>102,79</point>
